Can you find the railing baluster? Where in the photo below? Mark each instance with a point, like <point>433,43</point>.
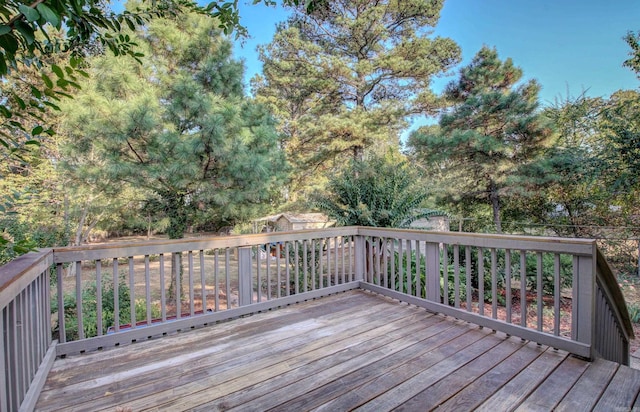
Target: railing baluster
<point>392,256</point>
<point>335,261</point>
<point>432,271</point>
<point>456,276</point>
<point>316,278</point>
<point>268,273</point>
<point>523,288</point>
<point>481,281</point>
<point>26,334</point>
<point>116,296</point>
<point>494,283</point>
<point>539,286</point>
<point>62,338</point>
<point>305,282</point>
<point>296,259</point>
<point>467,267</point>
<point>79,300</point>
<point>192,295</point>
<point>203,282</point>
<point>287,263</point>
<point>556,294</point>
<point>417,272</point>
<point>163,290</point>
<point>409,268</point>
<point>227,275</point>
<point>385,262</point>
<point>401,287</point>
<point>147,288</point>
<point>507,280</point>
<point>132,294</point>
<point>176,269</point>
<point>320,269</point>
<point>328,243</point>
<point>445,274</point>
<point>99,297</point>
<point>278,272</point>
<point>14,387</point>
<point>216,267</point>
<point>259,272</point>
<point>21,343</point>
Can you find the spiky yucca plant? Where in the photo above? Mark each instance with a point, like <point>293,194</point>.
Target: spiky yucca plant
<point>380,191</point>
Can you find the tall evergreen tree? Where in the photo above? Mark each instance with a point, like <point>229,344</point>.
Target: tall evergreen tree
<point>346,76</point>
<point>178,125</point>
<point>491,134</point>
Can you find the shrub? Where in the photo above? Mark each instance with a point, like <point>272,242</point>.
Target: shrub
<point>89,309</point>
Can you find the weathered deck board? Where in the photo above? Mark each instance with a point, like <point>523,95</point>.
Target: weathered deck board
<point>353,350</point>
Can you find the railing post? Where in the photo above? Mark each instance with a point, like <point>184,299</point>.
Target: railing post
<point>584,299</point>
<point>245,288</point>
<point>359,257</point>
<point>433,272</point>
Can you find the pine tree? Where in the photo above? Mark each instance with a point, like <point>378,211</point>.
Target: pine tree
<point>179,127</point>
<point>491,134</point>
<point>345,77</point>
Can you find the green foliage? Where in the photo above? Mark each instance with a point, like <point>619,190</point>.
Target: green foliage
<point>32,34</point>
<point>380,191</point>
<point>633,62</point>
<point>90,304</point>
<point>306,259</point>
<point>634,312</point>
<point>18,238</point>
<point>344,78</point>
<point>177,128</point>
<point>492,134</point>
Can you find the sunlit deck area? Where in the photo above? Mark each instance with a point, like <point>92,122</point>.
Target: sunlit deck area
<point>334,319</point>
<point>352,350</point>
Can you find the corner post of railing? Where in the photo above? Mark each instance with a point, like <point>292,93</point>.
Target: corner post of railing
<point>433,272</point>
<point>245,288</point>
<point>584,299</point>
<point>359,257</point>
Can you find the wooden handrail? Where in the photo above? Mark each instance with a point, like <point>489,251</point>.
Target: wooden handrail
<point>612,290</point>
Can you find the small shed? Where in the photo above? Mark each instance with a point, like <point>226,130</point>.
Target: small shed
<point>437,223</point>
<point>285,222</point>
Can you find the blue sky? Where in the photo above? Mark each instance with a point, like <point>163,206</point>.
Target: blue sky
<point>567,45</point>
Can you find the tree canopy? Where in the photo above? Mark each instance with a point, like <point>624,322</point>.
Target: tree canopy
<point>178,126</point>
<point>491,134</point>
<point>346,76</point>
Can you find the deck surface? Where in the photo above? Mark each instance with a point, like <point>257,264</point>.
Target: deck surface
<point>353,350</point>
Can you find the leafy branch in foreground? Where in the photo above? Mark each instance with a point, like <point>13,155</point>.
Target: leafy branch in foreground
<point>31,32</point>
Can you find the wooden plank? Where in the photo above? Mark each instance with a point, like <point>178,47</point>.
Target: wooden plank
<point>559,342</point>
<point>286,376</point>
<point>433,369</point>
<point>438,393</point>
<point>264,350</point>
<point>126,337</point>
<point>363,378</point>
<point>622,392</point>
<point>482,388</point>
<point>197,339</point>
<point>531,243</point>
<point>553,389</point>
<point>20,272</point>
<point>587,391</point>
<point>36,385</point>
<point>264,325</point>
<point>519,388</point>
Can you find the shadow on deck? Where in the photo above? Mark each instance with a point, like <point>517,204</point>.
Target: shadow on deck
<point>352,350</point>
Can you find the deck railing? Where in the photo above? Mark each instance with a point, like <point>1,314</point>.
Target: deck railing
<point>558,292</point>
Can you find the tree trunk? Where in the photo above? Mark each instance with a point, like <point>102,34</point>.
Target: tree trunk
<point>495,205</point>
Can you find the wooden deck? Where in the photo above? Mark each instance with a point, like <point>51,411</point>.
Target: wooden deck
<point>353,350</point>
